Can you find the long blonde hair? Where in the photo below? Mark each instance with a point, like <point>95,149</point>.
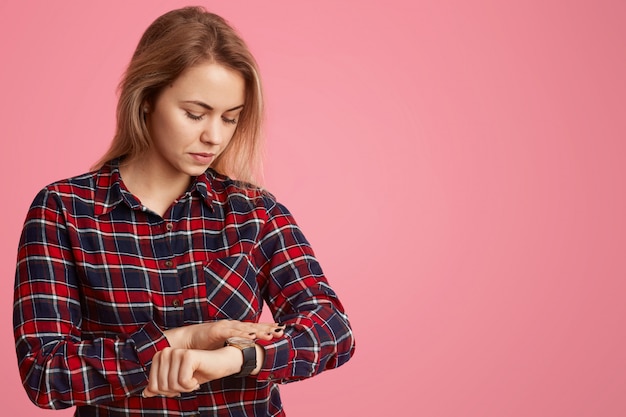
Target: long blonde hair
<point>174,42</point>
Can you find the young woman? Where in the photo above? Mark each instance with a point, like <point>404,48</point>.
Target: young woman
<point>140,285</point>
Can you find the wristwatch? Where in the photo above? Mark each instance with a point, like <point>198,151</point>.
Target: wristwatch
<point>248,349</point>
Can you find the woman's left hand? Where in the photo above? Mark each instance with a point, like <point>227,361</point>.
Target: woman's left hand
<point>211,336</point>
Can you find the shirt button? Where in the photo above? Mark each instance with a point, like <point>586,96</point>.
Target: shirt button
<point>176,303</point>
<point>169,264</point>
<point>169,227</point>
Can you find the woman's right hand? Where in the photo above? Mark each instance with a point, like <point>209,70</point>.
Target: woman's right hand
<point>175,371</point>
<point>212,336</point>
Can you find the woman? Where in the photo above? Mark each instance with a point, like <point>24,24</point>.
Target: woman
<point>139,286</point>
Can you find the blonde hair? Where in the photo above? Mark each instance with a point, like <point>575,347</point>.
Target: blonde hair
<point>174,42</point>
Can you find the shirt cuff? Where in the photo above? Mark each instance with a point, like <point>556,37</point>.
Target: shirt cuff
<point>148,341</point>
<point>278,360</point>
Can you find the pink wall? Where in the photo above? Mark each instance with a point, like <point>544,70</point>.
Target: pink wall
<point>471,157</point>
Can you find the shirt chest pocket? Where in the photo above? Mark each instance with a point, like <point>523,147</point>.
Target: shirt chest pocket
<point>232,289</point>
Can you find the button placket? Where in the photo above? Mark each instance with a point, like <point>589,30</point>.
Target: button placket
<point>168,265</point>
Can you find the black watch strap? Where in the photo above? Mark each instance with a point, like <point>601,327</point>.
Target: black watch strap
<point>248,349</point>
<point>249,361</point>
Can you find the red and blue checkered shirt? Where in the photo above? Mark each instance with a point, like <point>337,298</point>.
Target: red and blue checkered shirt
<point>100,277</point>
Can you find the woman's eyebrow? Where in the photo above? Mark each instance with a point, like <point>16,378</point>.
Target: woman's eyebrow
<point>206,106</point>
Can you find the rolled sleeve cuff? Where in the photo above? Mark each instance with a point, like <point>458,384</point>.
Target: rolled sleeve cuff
<point>278,360</point>
<point>148,341</point>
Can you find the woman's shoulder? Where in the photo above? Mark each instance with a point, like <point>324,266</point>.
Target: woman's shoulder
<point>85,180</point>
<point>79,190</point>
<point>227,189</point>
<point>242,198</point>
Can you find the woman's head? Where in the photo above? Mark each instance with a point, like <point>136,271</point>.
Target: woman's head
<point>174,42</point>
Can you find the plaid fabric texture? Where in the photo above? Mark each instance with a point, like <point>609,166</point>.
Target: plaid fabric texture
<point>99,278</point>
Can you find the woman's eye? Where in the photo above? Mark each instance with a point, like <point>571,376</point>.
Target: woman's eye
<point>229,121</point>
<point>193,116</point>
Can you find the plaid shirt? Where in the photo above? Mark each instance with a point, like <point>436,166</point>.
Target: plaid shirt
<point>99,277</point>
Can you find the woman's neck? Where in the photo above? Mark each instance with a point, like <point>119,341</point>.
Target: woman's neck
<point>157,186</point>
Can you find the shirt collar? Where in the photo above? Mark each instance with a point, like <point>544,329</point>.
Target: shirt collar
<point>202,186</point>
<point>110,190</point>
<point>107,191</point>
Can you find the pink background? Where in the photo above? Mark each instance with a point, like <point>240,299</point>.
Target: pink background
<point>458,167</point>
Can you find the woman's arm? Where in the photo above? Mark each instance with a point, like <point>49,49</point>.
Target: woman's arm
<point>318,335</point>
<point>58,367</point>
<point>175,371</point>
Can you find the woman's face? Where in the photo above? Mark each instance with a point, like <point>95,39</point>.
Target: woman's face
<point>193,119</point>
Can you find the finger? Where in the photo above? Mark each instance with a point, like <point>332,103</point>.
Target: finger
<point>187,369</point>
<point>234,328</point>
<point>173,371</point>
<point>240,329</point>
<point>248,330</point>
<point>267,331</point>
<point>250,326</point>
<point>163,371</point>
<point>152,388</point>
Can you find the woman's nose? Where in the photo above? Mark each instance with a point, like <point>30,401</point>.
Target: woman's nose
<point>212,133</point>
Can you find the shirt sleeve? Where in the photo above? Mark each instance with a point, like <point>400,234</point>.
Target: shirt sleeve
<point>318,335</point>
<point>58,368</point>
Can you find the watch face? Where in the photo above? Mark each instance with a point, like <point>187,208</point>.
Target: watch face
<point>240,341</point>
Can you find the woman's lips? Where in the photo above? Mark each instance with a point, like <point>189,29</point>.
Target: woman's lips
<point>202,158</point>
